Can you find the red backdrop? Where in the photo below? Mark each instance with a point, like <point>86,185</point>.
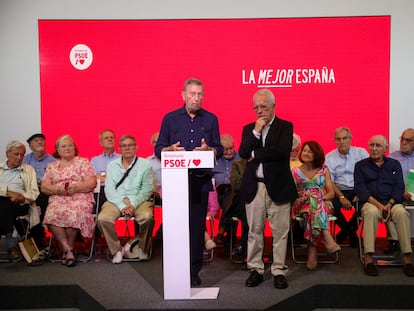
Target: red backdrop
<point>332,72</point>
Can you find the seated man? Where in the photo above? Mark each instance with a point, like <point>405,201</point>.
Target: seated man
<point>235,207</point>
<point>156,170</point>
<point>221,175</point>
<point>128,187</point>
<point>100,162</point>
<point>18,189</point>
<point>379,186</point>
<point>341,162</point>
<point>405,155</point>
<point>39,160</point>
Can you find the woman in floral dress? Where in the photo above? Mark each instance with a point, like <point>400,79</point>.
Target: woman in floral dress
<point>69,182</point>
<point>314,184</point>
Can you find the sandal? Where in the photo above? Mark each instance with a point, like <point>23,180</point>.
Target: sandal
<point>69,262</point>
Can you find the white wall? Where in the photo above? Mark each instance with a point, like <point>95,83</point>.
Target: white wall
<point>19,57</point>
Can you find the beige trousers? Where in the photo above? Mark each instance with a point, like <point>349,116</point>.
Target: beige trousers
<point>144,216</point>
<point>261,208</point>
<point>400,220</point>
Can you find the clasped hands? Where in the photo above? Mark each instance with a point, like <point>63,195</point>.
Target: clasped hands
<point>69,189</point>
<point>385,211</point>
<point>128,211</point>
<point>177,147</point>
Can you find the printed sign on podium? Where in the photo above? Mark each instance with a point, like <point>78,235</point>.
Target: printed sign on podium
<point>175,223</point>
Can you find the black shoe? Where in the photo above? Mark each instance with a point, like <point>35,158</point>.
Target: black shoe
<point>280,281</point>
<point>408,269</point>
<point>392,248</point>
<point>220,238</point>
<point>254,279</point>
<point>370,269</point>
<point>195,281</point>
<point>239,251</point>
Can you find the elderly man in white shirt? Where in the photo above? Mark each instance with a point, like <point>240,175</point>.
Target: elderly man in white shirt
<point>18,189</point>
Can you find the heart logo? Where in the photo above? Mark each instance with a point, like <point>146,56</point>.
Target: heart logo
<point>81,61</point>
<point>196,162</point>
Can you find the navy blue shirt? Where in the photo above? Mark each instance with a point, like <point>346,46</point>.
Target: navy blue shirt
<point>179,126</point>
<point>381,182</point>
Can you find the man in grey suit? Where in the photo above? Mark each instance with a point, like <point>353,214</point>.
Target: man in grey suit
<point>268,187</point>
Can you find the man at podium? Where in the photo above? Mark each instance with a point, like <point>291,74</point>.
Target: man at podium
<point>186,129</point>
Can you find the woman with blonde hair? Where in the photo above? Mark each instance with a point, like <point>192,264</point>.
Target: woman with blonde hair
<point>69,182</point>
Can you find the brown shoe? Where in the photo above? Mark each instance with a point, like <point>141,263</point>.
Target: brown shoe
<point>409,269</point>
<point>13,254</point>
<point>370,269</point>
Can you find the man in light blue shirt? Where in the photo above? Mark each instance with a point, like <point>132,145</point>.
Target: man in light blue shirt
<point>156,169</point>
<point>405,155</point>
<point>406,158</point>
<point>128,188</point>
<point>100,162</point>
<point>341,163</point>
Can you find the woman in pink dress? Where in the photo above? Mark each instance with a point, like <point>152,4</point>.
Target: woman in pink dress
<point>69,182</point>
<point>314,184</point>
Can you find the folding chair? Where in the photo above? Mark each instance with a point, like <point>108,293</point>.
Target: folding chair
<point>299,248</point>
<point>209,254</point>
<point>393,259</point>
<point>81,257</point>
<point>133,240</point>
<point>233,231</point>
<point>4,254</point>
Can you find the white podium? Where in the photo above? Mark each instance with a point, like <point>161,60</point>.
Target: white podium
<point>175,223</point>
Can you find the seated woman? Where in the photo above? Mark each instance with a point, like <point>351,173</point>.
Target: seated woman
<point>69,182</point>
<point>314,184</point>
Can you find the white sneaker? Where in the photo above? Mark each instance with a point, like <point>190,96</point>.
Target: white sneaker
<point>118,256</point>
<point>142,255</point>
<point>210,244</point>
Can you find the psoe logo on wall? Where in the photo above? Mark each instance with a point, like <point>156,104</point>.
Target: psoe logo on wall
<point>81,56</point>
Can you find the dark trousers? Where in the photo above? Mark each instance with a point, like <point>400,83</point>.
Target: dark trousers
<point>9,212</point>
<point>197,218</point>
<point>348,228</point>
<point>38,232</point>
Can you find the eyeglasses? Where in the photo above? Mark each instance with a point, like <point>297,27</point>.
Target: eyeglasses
<point>408,140</point>
<point>261,107</point>
<point>128,145</point>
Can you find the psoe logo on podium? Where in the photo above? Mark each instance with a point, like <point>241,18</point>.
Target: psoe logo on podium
<point>187,159</point>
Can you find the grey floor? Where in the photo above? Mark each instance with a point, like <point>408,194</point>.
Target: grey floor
<point>139,285</point>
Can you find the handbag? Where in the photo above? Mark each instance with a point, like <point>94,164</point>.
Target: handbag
<point>213,203</point>
<point>29,249</point>
<point>126,174</point>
